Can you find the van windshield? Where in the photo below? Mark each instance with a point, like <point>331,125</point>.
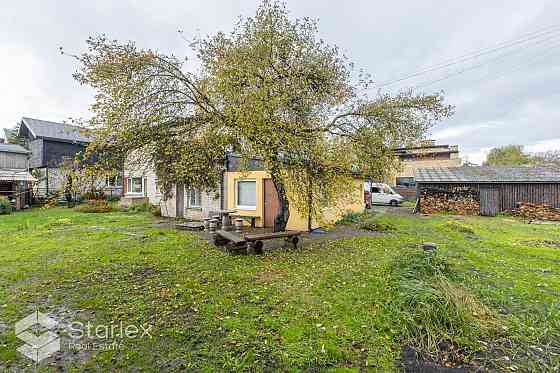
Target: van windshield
<point>388,190</point>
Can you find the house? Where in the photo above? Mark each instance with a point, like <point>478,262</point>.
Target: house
<point>15,178</point>
<point>141,186</point>
<point>250,191</point>
<point>426,155</point>
<point>50,144</point>
<point>490,189</point>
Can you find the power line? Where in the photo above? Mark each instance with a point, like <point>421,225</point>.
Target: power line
<point>482,64</point>
<point>549,52</point>
<point>481,52</point>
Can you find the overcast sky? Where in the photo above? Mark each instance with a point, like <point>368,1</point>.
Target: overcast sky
<point>511,95</point>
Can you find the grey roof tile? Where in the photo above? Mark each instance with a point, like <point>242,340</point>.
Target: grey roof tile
<point>13,148</point>
<point>539,174</point>
<point>57,131</point>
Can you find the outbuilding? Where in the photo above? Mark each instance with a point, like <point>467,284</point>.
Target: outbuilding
<point>486,190</point>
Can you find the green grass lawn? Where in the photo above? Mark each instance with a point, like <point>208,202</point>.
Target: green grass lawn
<point>488,297</point>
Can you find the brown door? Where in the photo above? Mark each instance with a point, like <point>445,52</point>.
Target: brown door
<point>490,200</point>
<point>271,204</point>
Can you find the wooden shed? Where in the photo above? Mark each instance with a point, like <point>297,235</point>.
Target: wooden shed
<point>495,189</point>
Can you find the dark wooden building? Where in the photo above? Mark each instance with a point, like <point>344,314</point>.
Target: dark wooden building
<point>496,189</point>
<point>51,143</point>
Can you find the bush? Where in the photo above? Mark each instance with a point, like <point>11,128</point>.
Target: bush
<point>95,206</point>
<point>5,206</point>
<point>350,217</point>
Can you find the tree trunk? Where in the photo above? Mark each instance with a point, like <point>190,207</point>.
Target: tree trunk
<point>281,220</point>
<point>309,202</point>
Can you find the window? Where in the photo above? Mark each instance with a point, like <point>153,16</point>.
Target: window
<point>195,198</point>
<point>135,185</point>
<point>375,190</point>
<point>113,181</point>
<point>247,194</point>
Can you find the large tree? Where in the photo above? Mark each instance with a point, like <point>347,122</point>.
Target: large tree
<point>269,89</point>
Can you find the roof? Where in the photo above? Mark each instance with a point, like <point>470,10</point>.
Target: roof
<point>521,174</point>
<point>56,131</point>
<point>16,175</point>
<point>13,148</point>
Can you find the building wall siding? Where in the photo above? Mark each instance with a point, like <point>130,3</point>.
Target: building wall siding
<point>13,160</point>
<point>56,152</point>
<point>210,203</point>
<point>36,148</point>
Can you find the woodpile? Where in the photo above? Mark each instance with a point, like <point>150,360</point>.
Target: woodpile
<point>461,202</point>
<point>535,211</point>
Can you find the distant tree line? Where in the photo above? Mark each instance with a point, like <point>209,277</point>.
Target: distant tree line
<point>514,155</point>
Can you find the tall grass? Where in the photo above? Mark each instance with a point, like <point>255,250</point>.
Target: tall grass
<point>435,309</point>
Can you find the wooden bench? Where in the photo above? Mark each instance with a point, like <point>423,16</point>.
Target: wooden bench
<point>231,240</point>
<point>256,240</point>
<point>237,243</point>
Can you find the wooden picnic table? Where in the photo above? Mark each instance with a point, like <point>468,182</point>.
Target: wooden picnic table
<point>225,217</point>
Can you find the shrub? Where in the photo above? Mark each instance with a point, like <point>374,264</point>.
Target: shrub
<point>459,227</point>
<point>349,218</point>
<point>5,206</point>
<point>95,206</point>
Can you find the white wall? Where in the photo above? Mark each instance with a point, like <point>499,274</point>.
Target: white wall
<point>210,202</point>
<point>150,183</point>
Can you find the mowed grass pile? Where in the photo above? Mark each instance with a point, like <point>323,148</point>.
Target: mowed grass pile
<point>351,303</point>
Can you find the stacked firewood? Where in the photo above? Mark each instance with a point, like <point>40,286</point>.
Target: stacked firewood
<point>535,211</point>
<point>463,202</point>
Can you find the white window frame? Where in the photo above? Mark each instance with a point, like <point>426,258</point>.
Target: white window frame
<point>129,185</point>
<point>245,207</point>
<point>199,199</point>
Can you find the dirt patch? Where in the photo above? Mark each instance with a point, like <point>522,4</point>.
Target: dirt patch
<point>449,360</point>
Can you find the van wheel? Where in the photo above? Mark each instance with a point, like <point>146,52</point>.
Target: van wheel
<point>394,203</point>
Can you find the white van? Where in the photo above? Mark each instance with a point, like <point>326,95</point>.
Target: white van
<point>382,194</point>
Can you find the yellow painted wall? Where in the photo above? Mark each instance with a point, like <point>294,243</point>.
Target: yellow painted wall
<point>231,192</point>
<point>352,202</point>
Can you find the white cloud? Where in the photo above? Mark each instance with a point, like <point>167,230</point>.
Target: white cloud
<point>543,146</point>
<point>477,157</point>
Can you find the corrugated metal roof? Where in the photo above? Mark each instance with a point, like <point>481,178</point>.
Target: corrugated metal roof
<point>58,131</point>
<point>521,174</point>
<point>16,175</point>
<point>13,148</point>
